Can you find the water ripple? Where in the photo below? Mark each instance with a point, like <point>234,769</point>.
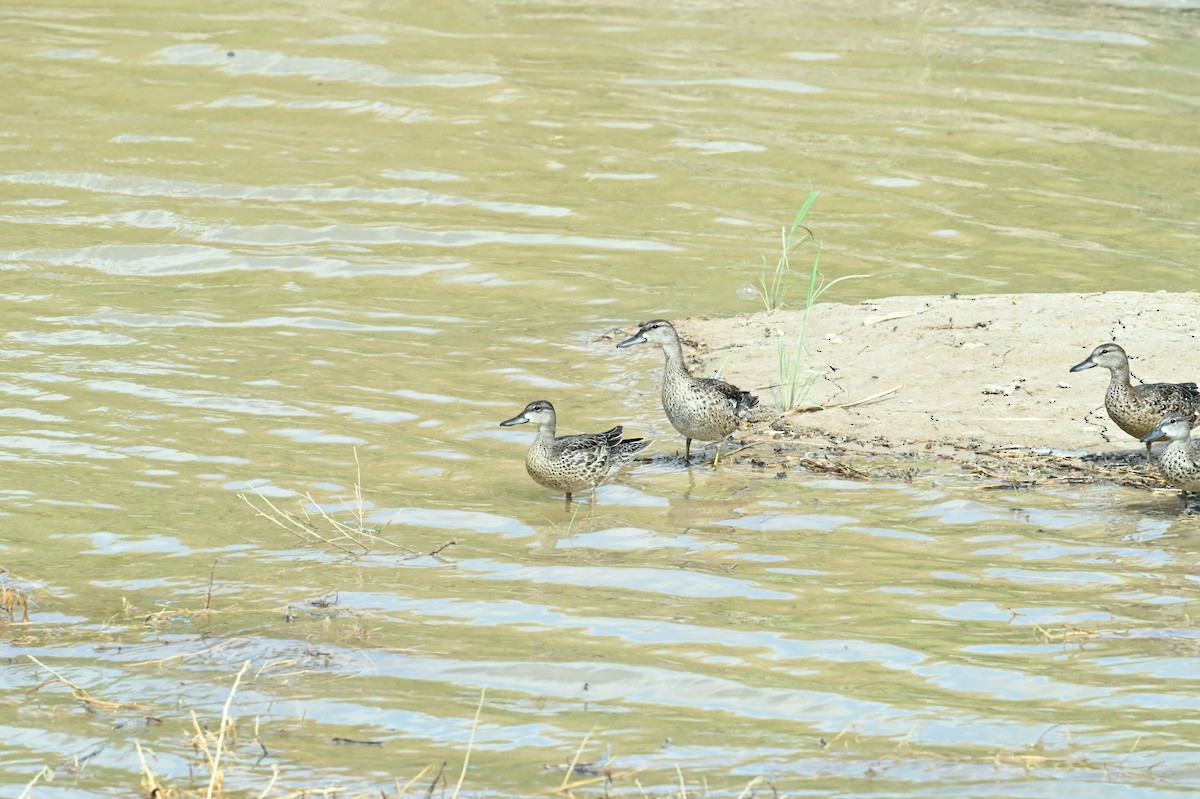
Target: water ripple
<point>71,338</point>
<point>791,86</point>
<point>273,63</point>
<point>659,581</point>
<point>203,400</point>
<point>1055,34</point>
<point>397,234</point>
<point>135,186</point>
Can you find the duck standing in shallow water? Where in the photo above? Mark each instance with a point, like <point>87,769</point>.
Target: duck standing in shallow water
<point>701,408</point>
<point>1180,461</point>
<point>1137,409</point>
<point>572,463</point>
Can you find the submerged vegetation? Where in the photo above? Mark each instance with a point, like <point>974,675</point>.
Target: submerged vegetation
<point>14,598</point>
<point>217,753</point>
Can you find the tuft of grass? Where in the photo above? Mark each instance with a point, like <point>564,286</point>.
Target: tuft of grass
<point>794,384</point>
<point>773,286</point>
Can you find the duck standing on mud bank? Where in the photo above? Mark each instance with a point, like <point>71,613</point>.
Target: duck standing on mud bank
<point>700,408</point>
<point>1137,409</point>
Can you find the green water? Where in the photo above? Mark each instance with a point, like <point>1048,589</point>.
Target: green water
<point>241,243</point>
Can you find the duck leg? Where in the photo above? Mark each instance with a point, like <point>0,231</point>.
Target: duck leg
<point>568,500</point>
<point>717,453</point>
<point>687,451</point>
<point>1147,454</point>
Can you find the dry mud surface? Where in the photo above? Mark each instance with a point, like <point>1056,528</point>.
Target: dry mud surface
<point>959,378</point>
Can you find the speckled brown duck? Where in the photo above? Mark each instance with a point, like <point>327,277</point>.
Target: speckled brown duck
<point>700,408</point>
<point>572,463</point>
<point>1138,409</point>
<point>1180,461</point>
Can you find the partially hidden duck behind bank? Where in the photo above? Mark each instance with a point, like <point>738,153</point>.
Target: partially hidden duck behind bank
<point>572,463</point>
<point>1137,409</point>
<point>1180,461</point>
<point>700,408</point>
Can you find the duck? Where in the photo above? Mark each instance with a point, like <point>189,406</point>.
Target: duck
<point>573,463</point>
<point>700,408</point>
<point>1180,461</point>
<point>1138,409</point>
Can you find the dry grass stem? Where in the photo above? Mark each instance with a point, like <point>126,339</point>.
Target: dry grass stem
<point>304,793</point>
<point>575,759</point>
<point>271,784</point>
<point>887,317</point>
<point>352,539</point>
<point>462,775</point>
<point>750,786</point>
<point>844,733</point>
<point>80,693</point>
<point>44,775</point>
<point>170,658</point>
<point>401,791</point>
<point>150,784</point>
<point>358,494</point>
<point>850,404</point>
<point>215,777</point>
<point>903,743</point>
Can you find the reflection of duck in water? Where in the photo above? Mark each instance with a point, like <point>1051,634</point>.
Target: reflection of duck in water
<point>572,463</point>
<point>1137,409</point>
<point>706,513</point>
<point>1180,461</point>
<point>701,408</point>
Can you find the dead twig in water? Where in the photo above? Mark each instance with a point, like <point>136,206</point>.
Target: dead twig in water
<point>438,549</point>
<point>441,775</point>
<point>13,598</point>
<point>835,467</point>
<point>80,693</point>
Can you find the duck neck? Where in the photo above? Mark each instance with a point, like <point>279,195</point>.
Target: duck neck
<point>1118,380</point>
<point>673,352</point>
<point>545,434</point>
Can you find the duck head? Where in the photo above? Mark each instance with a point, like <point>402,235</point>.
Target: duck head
<point>1110,356</point>
<point>539,412</point>
<point>656,331</point>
